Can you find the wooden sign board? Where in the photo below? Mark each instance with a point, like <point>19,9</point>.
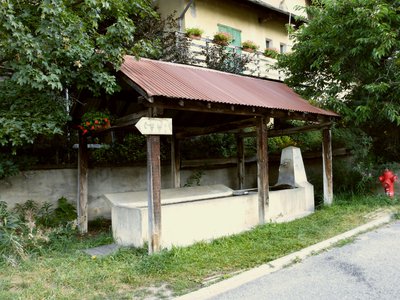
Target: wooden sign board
<point>154,126</point>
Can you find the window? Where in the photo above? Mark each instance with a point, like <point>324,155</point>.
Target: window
<point>282,48</point>
<point>268,43</point>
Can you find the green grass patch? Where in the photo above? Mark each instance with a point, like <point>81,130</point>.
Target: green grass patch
<point>65,272</point>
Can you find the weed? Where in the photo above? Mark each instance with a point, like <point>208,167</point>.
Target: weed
<point>396,216</point>
<point>30,228</point>
<point>194,179</point>
<point>345,242</point>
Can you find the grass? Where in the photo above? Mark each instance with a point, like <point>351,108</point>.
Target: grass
<point>65,272</point>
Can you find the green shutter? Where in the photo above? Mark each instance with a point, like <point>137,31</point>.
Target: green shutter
<point>236,40</point>
<point>235,33</point>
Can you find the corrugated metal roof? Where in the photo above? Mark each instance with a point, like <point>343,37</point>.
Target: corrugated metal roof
<point>158,78</point>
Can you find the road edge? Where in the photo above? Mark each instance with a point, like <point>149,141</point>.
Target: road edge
<point>280,263</point>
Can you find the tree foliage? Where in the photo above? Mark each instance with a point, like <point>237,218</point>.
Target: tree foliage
<point>25,114</point>
<point>50,49</point>
<point>347,57</point>
<point>222,58</point>
<point>54,45</point>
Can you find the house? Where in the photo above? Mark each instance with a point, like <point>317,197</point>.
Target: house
<point>263,22</point>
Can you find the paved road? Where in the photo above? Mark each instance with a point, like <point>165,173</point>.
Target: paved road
<point>368,268</point>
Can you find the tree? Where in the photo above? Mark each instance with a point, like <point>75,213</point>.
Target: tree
<point>68,44</point>
<point>50,48</point>
<point>347,58</point>
<point>219,57</point>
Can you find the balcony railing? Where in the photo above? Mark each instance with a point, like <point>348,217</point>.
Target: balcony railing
<point>258,65</point>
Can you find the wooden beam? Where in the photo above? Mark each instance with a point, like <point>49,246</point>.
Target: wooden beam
<point>290,131</point>
<point>154,192</point>
<point>206,107</point>
<point>131,119</point>
<point>175,162</point>
<point>300,129</point>
<point>222,108</point>
<point>327,166</point>
<point>136,87</point>
<point>262,168</point>
<point>226,127</point>
<point>240,162</point>
<point>83,171</point>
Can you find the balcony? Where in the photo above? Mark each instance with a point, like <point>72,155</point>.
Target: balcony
<point>203,52</point>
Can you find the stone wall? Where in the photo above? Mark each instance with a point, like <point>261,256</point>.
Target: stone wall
<point>50,185</point>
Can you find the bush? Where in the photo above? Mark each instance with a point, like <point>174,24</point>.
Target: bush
<point>8,166</point>
<point>218,145</point>
<point>217,57</point>
<point>276,144</point>
<point>30,228</point>
<point>132,149</point>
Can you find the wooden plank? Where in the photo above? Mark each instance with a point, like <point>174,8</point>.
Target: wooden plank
<point>83,172</point>
<point>221,108</point>
<point>135,86</point>
<point>224,127</point>
<point>262,168</point>
<point>290,131</point>
<point>154,192</point>
<point>175,163</point>
<point>207,107</point>
<point>327,166</point>
<point>240,162</point>
<point>131,119</point>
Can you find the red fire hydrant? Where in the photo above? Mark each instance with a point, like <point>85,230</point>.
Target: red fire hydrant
<point>388,179</point>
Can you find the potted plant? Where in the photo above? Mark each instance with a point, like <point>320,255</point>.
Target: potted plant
<point>94,121</point>
<point>194,33</point>
<point>222,38</point>
<point>272,53</point>
<point>249,46</point>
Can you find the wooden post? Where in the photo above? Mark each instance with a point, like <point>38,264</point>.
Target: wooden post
<point>240,161</point>
<point>262,168</point>
<point>83,170</point>
<point>154,192</point>
<point>175,163</point>
<point>327,166</point>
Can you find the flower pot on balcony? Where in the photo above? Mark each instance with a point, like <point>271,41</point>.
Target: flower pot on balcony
<point>222,38</point>
<point>194,37</point>
<point>249,46</point>
<point>271,53</point>
<point>250,50</point>
<point>194,33</point>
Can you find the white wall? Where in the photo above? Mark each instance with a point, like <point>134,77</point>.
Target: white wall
<point>50,185</point>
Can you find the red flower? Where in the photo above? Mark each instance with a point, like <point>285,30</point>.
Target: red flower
<point>96,122</point>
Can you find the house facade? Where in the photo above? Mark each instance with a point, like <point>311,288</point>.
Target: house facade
<point>263,22</point>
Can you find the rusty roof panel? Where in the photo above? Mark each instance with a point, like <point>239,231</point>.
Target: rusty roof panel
<point>158,78</point>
